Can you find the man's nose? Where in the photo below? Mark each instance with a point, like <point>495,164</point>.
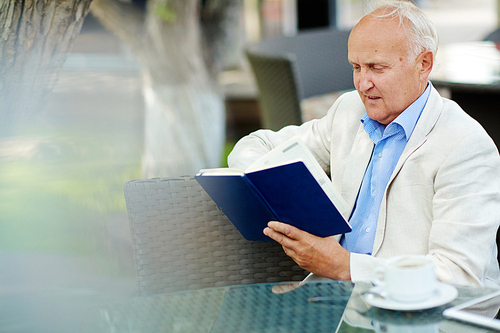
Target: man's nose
<point>365,81</point>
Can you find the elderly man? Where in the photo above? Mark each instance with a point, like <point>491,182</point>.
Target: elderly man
<point>420,175</point>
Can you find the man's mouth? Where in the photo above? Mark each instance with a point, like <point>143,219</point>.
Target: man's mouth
<point>373,97</point>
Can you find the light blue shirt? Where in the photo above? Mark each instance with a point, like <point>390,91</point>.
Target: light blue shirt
<point>390,141</point>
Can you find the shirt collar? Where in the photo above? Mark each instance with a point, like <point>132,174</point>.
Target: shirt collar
<point>407,119</point>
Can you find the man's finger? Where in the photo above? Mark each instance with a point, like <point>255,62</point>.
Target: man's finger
<point>284,240</point>
<point>277,236</point>
<point>285,229</point>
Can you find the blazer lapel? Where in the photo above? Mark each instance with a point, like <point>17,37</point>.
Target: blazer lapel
<point>358,160</point>
<point>427,120</point>
<point>424,126</point>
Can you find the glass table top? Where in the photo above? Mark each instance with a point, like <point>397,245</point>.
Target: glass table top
<point>326,306</point>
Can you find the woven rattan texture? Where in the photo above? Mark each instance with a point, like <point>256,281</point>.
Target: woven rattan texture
<point>181,241</point>
<point>278,90</point>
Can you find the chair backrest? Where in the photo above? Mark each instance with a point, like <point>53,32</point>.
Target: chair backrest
<point>277,82</point>
<point>181,241</point>
<point>293,68</point>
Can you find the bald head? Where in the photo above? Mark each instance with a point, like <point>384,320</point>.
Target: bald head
<point>378,33</point>
<point>420,31</point>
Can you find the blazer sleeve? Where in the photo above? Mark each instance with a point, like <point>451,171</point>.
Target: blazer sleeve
<point>315,133</point>
<point>466,213</point>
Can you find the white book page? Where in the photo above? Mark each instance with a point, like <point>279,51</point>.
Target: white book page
<point>295,149</point>
<point>220,172</point>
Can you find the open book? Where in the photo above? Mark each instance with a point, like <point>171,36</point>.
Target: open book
<point>287,184</point>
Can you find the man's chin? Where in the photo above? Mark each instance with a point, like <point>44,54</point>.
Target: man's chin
<point>377,115</point>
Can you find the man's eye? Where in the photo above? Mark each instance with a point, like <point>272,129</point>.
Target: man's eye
<point>355,68</point>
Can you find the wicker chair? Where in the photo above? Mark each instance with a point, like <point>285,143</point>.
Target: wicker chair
<point>182,241</point>
<point>289,69</point>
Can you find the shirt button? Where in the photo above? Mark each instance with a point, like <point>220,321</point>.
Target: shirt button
<point>367,229</point>
<point>379,154</point>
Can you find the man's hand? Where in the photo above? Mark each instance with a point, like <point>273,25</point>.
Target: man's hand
<point>322,256</point>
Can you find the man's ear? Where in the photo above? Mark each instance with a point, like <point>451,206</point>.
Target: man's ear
<point>426,61</point>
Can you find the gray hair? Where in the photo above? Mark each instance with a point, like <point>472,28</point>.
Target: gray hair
<point>422,35</point>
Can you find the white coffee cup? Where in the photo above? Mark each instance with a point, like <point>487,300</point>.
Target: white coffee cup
<point>408,278</point>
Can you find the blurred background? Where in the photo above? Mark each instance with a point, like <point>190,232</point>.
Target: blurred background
<point>122,90</point>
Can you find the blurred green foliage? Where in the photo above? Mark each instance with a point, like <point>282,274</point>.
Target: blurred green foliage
<point>165,12</point>
<point>227,149</point>
<point>59,194</point>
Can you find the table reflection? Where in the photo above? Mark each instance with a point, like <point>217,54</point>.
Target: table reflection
<point>324,306</point>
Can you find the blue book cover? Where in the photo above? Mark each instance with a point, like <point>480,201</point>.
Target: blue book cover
<point>286,193</point>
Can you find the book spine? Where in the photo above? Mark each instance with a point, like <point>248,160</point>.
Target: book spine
<point>261,197</point>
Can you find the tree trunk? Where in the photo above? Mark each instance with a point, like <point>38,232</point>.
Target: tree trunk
<point>185,115</point>
<point>35,38</point>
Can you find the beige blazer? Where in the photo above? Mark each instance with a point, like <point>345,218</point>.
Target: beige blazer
<point>443,199</point>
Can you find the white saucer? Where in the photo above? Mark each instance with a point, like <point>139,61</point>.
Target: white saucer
<point>444,293</point>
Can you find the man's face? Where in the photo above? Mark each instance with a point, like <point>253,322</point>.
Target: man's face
<point>386,80</point>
